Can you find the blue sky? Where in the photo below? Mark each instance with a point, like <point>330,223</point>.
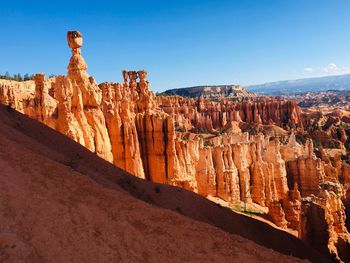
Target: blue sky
<point>181,43</point>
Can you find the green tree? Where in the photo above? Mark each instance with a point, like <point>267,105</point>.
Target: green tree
<point>7,75</point>
<point>26,77</point>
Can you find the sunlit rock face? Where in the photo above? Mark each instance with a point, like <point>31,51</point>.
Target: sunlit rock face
<point>237,153</point>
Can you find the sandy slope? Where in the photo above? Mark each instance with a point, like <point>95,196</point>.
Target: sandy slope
<point>61,203</point>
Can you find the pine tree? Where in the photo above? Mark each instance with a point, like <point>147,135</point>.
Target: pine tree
<point>26,77</point>
<point>7,75</point>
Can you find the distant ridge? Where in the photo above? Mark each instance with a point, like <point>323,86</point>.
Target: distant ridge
<point>212,92</point>
<point>338,82</point>
<point>284,87</point>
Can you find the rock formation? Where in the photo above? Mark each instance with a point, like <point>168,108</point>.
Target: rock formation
<point>241,153</point>
<point>235,92</point>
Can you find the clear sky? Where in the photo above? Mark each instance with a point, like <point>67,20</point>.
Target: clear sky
<point>180,42</point>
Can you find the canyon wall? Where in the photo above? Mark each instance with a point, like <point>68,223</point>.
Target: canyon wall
<point>238,153</point>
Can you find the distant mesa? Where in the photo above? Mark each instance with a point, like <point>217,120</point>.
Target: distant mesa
<point>212,92</point>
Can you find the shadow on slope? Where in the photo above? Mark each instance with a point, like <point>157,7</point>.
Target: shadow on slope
<point>51,143</point>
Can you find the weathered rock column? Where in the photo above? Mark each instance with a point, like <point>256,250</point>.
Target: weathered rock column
<point>85,99</point>
<point>38,99</point>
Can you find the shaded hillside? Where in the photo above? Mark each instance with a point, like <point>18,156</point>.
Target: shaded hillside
<point>60,202</point>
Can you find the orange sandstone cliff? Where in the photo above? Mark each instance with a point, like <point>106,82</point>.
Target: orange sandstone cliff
<point>240,154</point>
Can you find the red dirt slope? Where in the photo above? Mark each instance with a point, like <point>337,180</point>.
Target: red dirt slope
<point>61,203</point>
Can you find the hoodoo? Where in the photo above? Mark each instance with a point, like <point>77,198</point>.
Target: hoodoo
<point>239,154</point>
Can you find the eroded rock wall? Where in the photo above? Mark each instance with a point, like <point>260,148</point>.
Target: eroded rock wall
<point>203,146</point>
